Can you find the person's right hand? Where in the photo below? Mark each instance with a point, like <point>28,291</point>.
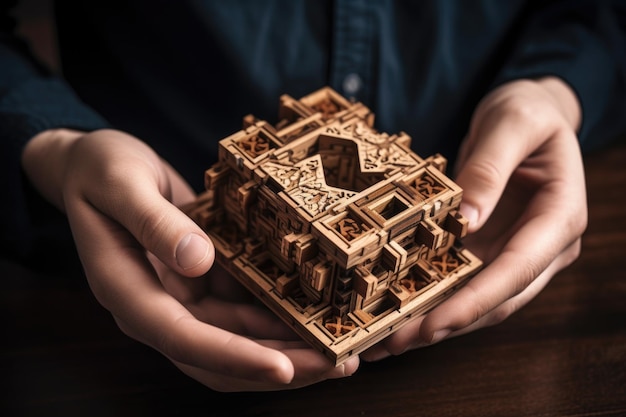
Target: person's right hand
<point>147,263</point>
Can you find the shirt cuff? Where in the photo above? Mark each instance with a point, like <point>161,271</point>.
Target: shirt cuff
<point>40,104</point>
<point>587,64</point>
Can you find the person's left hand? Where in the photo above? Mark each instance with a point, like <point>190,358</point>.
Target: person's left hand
<point>151,266</point>
<point>218,300</point>
<point>524,195</point>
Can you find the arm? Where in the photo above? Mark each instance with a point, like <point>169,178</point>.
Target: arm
<point>145,261</point>
<point>140,253</point>
<point>32,100</point>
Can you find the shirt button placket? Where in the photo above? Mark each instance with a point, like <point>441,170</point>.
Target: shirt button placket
<point>351,54</point>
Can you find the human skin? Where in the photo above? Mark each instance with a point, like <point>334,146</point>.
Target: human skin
<point>152,267</point>
<point>524,194</point>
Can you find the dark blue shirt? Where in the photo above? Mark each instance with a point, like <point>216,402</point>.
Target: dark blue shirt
<point>182,74</point>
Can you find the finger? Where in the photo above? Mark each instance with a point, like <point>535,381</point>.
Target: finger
<point>498,141</point>
<point>133,191</point>
<point>504,310</point>
<point>247,320</point>
<point>124,282</point>
<point>548,228</point>
<point>310,368</point>
<point>224,353</point>
<point>544,238</point>
<point>164,230</point>
<point>228,311</point>
<point>546,231</point>
<point>408,337</point>
<point>402,340</point>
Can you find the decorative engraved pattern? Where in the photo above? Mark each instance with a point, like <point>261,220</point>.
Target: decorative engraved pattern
<point>333,130</point>
<point>446,263</point>
<point>339,327</point>
<point>414,282</point>
<point>410,283</point>
<point>363,132</point>
<point>348,228</point>
<point>312,170</point>
<point>306,185</point>
<point>316,198</point>
<point>375,158</point>
<point>255,145</point>
<point>427,186</point>
<point>288,176</point>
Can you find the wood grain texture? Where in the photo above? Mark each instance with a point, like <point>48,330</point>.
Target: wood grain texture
<point>564,354</point>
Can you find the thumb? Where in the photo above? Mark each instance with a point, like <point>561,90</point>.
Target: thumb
<point>167,232</point>
<point>488,157</point>
<point>132,187</point>
<point>194,253</point>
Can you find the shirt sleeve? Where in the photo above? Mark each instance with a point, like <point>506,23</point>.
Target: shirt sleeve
<point>32,99</point>
<point>581,42</point>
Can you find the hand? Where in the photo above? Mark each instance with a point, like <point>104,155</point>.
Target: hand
<point>140,254</point>
<point>524,194</point>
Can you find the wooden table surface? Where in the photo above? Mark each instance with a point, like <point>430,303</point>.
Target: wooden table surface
<point>562,355</point>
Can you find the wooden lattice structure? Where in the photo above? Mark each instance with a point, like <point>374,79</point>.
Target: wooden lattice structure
<point>341,230</point>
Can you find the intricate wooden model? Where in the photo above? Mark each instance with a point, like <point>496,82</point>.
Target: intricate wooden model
<point>341,230</point>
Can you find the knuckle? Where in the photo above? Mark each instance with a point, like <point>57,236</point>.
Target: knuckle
<point>486,173</point>
<point>477,308</point>
<point>151,225</point>
<point>525,274</point>
<point>521,111</point>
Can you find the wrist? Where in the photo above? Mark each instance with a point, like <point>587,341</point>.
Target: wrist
<point>565,99</point>
<point>44,160</point>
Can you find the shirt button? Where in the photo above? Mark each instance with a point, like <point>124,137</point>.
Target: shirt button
<point>352,84</point>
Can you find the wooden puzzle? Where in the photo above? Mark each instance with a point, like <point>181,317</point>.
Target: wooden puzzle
<point>341,230</point>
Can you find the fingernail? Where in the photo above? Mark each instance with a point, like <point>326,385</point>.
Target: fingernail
<point>470,213</point>
<point>337,372</point>
<point>191,251</point>
<point>440,335</point>
<point>350,367</point>
<point>347,368</point>
<point>341,369</point>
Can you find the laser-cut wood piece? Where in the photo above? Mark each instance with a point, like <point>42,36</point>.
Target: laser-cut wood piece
<point>341,230</point>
